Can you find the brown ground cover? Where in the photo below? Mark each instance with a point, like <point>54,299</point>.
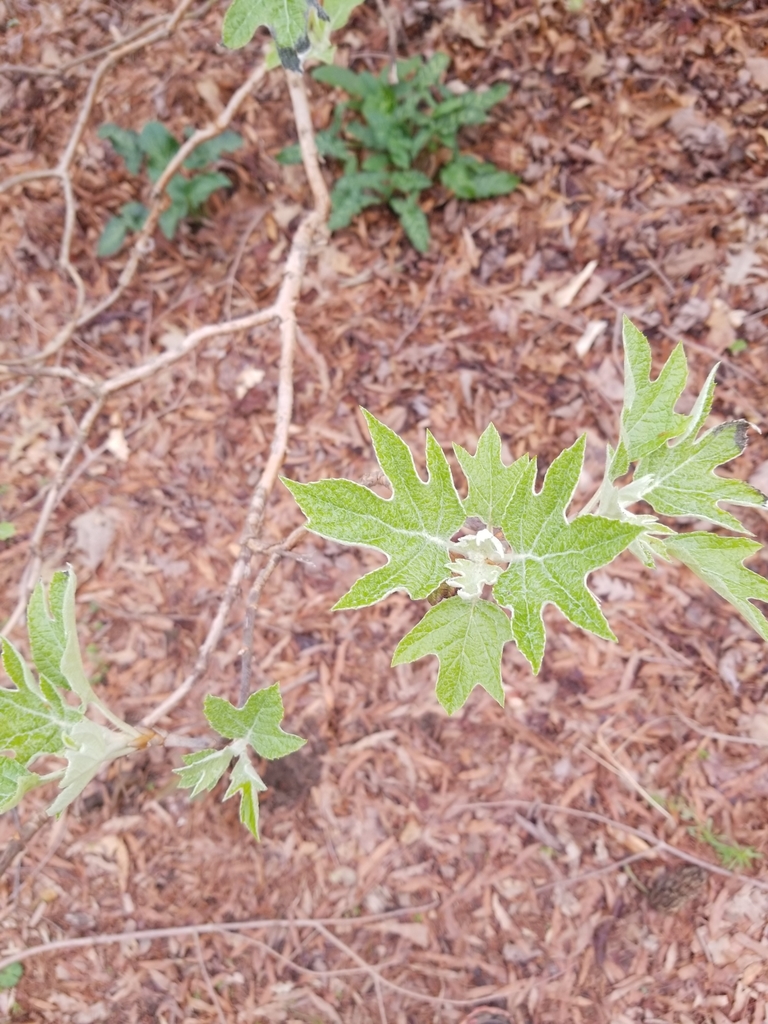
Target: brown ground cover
<point>639,131</point>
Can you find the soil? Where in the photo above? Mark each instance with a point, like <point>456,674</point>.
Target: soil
<point>639,132</point>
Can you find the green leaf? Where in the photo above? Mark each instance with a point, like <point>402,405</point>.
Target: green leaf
<point>290,155</point>
<point>7,530</point>
<point>362,85</point>
<point>47,636</point>
<point>31,721</point>
<point>126,144</point>
<point>88,746</point>
<point>160,147</point>
<point>552,556</point>
<point>208,152</point>
<point>413,219</point>
<point>246,781</point>
<point>352,194</point>
<point>468,638</point>
<point>11,975</point>
<point>112,237</point>
<point>338,11</point>
<point>470,178</point>
<point>719,561</point>
<point>15,781</point>
<point>412,528</point>
<point>257,722</point>
<point>648,418</point>
<point>491,483</point>
<point>71,664</point>
<point>409,181</point>
<point>285,19</point>
<point>203,769</point>
<point>679,480</point>
<point>202,186</point>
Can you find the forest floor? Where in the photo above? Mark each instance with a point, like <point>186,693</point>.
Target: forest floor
<point>639,132</point>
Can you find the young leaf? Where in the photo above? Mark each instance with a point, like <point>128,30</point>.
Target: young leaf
<point>112,237</point>
<point>470,178</point>
<point>491,483</point>
<point>362,85</point>
<point>679,480</point>
<point>15,781</point>
<point>7,530</point>
<point>202,186</point>
<point>412,528</point>
<point>126,144</point>
<point>648,418</point>
<point>719,561</point>
<point>257,722</point>
<point>11,975</point>
<point>285,19</point>
<point>468,638</point>
<point>47,636</point>
<point>31,720</point>
<point>87,747</point>
<point>203,769</point>
<point>160,147</point>
<point>552,556</point>
<point>71,663</point>
<point>413,219</point>
<point>247,782</point>
<point>209,152</point>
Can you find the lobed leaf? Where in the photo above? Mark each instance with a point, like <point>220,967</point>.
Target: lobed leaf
<point>203,769</point>
<point>88,746</point>
<point>719,561</point>
<point>413,219</point>
<point>468,638</point>
<point>15,781</point>
<point>648,418</point>
<point>32,718</point>
<point>286,20</point>
<point>257,722</point>
<point>552,557</point>
<point>246,781</point>
<point>47,634</point>
<point>412,528</point>
<point>491,483</point>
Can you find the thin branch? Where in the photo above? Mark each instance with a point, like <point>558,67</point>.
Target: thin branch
<point>284,308</point>
<point>252,604</point>
<point>602,819</point>
<point>149,934</point>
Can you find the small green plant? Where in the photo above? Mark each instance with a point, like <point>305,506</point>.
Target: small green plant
<point>7,530</point>
<point>731,855</point>
<point>393,140</point>
<point>531,552</point>
<point>155,146</point>
<point>38,720</point>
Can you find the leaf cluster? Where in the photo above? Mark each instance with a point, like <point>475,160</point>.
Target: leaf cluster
<point>533,550</point>
<point>394,140</point>
<point>154,147</point>
<point>47,717</point>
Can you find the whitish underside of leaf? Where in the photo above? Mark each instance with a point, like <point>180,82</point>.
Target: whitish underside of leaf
<point>491,483</point>
<point>552,557</point>
<point>412,528</point>
<point>719,562</point>
<point>468,638</point>
<point>257,722</point>
<point>203,769</point>
<point>648,418</point>
<point>246,781</point>
<point>88,746</point>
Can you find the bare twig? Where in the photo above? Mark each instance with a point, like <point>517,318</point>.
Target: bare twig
<point>26,833</point>
<point>149,934</point>
<point>62,171</point>
<point>252,604</point>
<point>601,819</point>
<point>284,308</point>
